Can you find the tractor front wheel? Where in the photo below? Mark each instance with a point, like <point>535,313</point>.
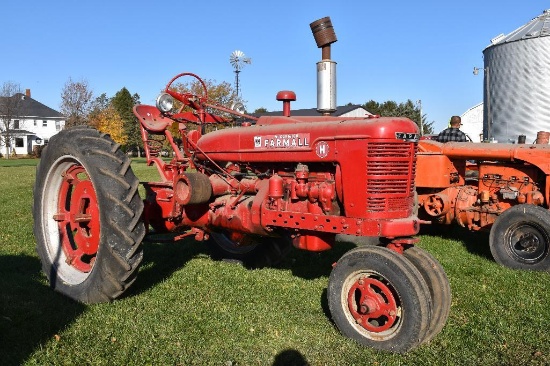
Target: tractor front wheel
<point>87,216</point>
<point>378,298</point>
<point>438,283</point>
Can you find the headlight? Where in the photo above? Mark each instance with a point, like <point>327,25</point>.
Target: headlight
<point>238,107</point>
<point>165,102</point>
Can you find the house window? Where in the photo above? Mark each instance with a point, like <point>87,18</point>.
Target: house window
<point>57,125</point>
<point>15,124</point>
<point>44,123</point>
<point>35,123</point>
<point>19,142</point>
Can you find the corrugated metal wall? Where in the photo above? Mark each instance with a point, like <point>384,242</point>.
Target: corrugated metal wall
<point>517,83</point>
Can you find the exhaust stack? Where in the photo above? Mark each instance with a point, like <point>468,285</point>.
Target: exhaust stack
<point>324,35</point>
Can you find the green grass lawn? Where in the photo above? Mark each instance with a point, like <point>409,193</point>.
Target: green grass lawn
<point>185,309</point>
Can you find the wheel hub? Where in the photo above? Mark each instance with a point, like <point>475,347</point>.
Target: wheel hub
<point>78,218</point>
<point>372,304</point>
<point>527,243</point>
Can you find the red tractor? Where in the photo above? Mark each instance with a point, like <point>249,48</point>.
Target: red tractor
<point>251,192</point>
<point>504,188</point>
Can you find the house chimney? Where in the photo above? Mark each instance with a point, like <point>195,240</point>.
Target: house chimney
<point>28,93</point>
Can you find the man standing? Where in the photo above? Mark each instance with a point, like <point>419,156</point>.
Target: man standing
<point>453,133</point>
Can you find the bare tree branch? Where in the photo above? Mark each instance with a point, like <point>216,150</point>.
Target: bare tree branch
<point>10,109</point>
<point>76,102</point>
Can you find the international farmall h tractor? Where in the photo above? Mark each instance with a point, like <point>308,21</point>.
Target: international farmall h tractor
<point>250,192</point>
<point>504,188</point>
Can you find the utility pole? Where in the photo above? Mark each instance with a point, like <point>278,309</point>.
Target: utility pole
<point>419,101</point>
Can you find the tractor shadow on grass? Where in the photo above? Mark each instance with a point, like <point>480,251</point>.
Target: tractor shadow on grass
<point>312,265</point>
<point>161,258</point>
<point>31,313</point>
<point>475,242</point>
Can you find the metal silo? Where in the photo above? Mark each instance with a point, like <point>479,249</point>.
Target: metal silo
<point>517,82</point>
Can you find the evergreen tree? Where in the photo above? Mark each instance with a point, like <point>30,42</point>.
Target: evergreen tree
<point>123,102</point>
<point>407,109</point>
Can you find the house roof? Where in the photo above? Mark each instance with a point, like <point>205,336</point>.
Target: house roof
<point>33,108</point>
<point>313,111</point>
<point>17,132</point>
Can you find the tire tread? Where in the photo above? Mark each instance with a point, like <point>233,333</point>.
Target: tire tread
<point>120,253</point>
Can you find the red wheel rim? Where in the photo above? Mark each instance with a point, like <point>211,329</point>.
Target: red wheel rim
<point>372,304</point>
<point>78,218</point>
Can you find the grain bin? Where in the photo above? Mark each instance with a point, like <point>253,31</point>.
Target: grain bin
<point>517,82</point>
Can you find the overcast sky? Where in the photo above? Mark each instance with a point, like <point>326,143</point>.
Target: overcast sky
<point>386,50</point>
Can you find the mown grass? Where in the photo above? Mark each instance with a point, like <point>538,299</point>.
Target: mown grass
<point>186,309</point>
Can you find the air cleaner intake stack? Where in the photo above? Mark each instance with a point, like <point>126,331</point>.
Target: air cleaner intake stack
<point>326,68</point>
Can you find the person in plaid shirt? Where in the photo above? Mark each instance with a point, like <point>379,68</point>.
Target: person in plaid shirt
<point>453,133</point>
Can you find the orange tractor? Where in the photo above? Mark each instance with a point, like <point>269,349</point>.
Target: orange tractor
<point>504,188</point>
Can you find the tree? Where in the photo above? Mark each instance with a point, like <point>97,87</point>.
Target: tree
<point>260,110</point>
<point>99,104</point>
<point>392,109</point>
<point>76,102</point>
<point>11,102</point>
<point>221,94</point>
<point>123,102</point>
<point>109,121</point>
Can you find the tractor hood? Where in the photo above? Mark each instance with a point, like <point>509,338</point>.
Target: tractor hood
<point>304,139</point>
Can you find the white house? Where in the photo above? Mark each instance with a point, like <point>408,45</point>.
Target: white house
<point>33,126</point>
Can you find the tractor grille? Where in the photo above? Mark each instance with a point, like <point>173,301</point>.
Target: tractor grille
<point>391,169</point>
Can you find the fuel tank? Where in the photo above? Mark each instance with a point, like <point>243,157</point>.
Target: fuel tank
<point>303,139</point>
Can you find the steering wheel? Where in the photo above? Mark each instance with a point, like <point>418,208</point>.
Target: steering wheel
<point>188,99</point>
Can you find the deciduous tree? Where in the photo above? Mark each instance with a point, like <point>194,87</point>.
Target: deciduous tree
<point>11,101</point>
<point>109,121</point>
<point>219,93</point>
<point>100,103</point>
<point>76,102</point>
<point>222,94</point>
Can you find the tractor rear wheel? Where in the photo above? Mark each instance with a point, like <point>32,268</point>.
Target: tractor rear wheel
<point>520,238</point>
<point>438,283</point>
<point>252,251</point>
<point>87,216</point>
<point>378,298</point>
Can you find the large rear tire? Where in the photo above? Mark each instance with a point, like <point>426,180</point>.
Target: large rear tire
<point>378,298</point>
<point>520,238</point>
<point>87,216</point>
